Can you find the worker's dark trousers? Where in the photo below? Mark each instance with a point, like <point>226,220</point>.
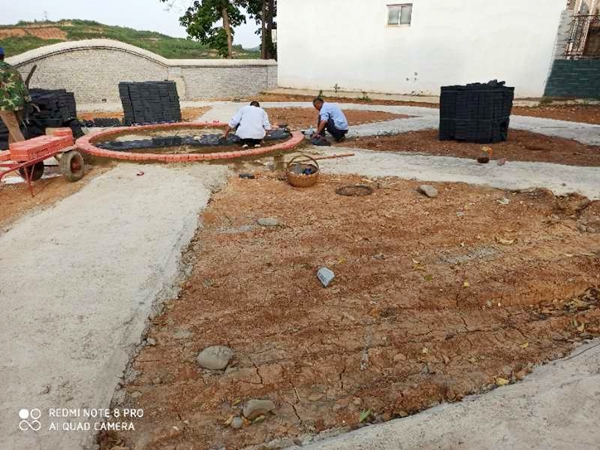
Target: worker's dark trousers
<point>12,120</point>
<point>332,130</point>
<point>251,142</point>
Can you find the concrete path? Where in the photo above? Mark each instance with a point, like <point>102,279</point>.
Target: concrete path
<point>555,408</point>
<point>423,119</point>
<point>514,175</point>
<point>77,283</point>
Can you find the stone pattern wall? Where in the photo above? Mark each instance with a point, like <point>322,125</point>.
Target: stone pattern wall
<point>93,70</point>
<point>574,78</point>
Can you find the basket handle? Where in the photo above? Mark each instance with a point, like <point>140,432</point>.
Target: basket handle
<point>306,156</point>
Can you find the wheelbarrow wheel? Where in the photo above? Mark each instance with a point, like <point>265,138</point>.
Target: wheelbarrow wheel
<point>37,171</point>
<point>72,165</point>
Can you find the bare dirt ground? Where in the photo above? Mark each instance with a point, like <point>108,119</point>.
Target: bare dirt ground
<point>187,114</point>
<point>360,101</point>
<point>16,200</point>
<point>570,113</point>
<point>521,146</point>
<point>433,299</point>
<point>300,118</point>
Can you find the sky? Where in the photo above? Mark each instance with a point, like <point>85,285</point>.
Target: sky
<point>139,14</point>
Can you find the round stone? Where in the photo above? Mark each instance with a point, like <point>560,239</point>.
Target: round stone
<point>215,358</point>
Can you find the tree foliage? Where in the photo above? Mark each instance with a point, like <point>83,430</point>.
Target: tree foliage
<point>201,19</point>
<point>212,22</point>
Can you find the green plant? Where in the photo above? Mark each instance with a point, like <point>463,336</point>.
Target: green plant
<point>365,98</point>
<point>336,88</point>
<point>166,46</point>
<point>321,95</point>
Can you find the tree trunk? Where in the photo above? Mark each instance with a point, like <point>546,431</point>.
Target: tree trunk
<point>263,47</point>
<point>227,27</point>
<point>269,19</point>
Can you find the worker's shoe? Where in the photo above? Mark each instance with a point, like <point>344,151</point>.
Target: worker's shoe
<point>256,145</point>
<point>245,146</point>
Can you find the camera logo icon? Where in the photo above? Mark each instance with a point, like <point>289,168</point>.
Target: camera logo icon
<point>29,419</point>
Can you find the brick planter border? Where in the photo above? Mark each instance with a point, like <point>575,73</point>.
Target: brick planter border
<point>86,144</point>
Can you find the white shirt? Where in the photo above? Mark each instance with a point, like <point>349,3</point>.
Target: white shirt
<point>252,121</point>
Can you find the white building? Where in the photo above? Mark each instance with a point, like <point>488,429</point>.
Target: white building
<point>418,46</point>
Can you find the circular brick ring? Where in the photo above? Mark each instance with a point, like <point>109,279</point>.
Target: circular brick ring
<point>86,144</point>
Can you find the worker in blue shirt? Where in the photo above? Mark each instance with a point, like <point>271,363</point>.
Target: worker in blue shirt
<point>331,119</point>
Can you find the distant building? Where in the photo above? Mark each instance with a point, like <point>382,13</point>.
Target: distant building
<point>417,46</point>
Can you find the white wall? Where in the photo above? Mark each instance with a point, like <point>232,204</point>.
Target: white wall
<point>348,42</point>
<point>92,69</point>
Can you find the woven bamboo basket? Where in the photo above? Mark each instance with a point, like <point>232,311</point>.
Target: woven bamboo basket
<point>296,172</point>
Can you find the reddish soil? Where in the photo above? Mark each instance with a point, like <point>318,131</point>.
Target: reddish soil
<point>187,114</point>
<point>16,200</point>
<point>570,113</point>
<point>456,305</point>
<point>305,98</point>
<point>48,33</point>
<point>301,118</point>
<point>12,32</point>
<point>521,146</point>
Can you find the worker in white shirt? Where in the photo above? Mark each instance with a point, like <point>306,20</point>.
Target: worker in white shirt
<point>251,124</point>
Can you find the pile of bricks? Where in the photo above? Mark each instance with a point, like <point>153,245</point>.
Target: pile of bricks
<point>150,102</point>
<point>41,146</point>
<point>476,112</point>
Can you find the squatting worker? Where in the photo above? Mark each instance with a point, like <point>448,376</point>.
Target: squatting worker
<point>251,124</point>
<point>331,119</point>
<point>13,98</point>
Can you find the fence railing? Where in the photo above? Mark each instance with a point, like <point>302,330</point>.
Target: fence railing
<point>584,37</point>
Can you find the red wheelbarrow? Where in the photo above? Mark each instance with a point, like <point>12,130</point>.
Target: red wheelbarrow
<point>27,157</point>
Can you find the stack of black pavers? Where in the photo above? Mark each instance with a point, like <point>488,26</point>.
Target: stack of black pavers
<point>476,112</point>
<point>150,102</point>
<point>57,109</point>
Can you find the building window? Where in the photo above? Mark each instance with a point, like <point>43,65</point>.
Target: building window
<point>399,14</point>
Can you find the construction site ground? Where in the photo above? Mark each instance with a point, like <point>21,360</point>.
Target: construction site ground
<point>426,307</point>
<point>117,282</point>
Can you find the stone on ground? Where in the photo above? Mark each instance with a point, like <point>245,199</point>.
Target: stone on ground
<point>256,408</point>
<point>268,222</point>
<point>215,358</point>
<point>427,190</point>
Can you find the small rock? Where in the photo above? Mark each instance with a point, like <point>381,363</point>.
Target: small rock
<point>182,334</point>
<point>256,408</point>
<point>400,357</point>
<point>136,394</point>
<point>156,381</point>
<point>325,276</point>
<point>237,423</point>
<point>150,341</point>
<point>427,190</point>
<point>504,201</point>
<point>268,222</point>
<point>460,214</point>
<point>215,358</point>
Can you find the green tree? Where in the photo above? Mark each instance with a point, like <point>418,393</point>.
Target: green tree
<point>200,19</point>
<point>265,12</point>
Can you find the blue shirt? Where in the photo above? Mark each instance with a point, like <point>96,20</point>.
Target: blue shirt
<point>331,111</point>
